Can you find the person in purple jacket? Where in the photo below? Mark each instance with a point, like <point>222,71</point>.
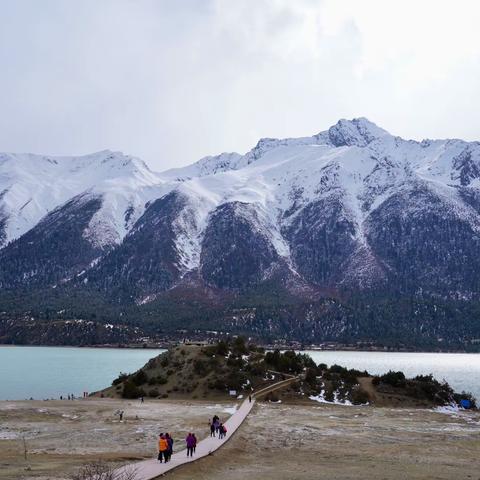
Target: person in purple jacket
<point>190,441</point>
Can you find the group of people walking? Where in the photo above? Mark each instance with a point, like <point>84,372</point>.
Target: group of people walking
<point>217,428</point>
<point>165,447</point>
<point>165,440</point>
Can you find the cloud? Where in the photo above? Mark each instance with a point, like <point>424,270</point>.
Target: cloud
<point>173,81</point>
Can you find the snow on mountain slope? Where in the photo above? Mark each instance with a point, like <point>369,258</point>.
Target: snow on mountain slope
<point>205,166</point>
<point>316,199</point>
<point>34,185</point>
<point>355,162</point>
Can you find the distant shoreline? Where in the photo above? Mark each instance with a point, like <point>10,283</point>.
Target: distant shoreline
<point>166,346</point>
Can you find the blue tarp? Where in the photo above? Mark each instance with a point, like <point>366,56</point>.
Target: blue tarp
<point>465,403</point>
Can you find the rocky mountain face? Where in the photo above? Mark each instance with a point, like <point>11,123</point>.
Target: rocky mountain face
<point>352,211</point>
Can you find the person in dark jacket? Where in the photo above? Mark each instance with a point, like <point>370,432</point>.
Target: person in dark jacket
<point>195,444</point>
<point>216,424</point>
<point>222,431</point>
<point>212,428</point>
<point>170,446</point>
<point>190,441</point>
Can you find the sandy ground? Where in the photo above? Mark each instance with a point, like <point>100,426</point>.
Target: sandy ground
<point>303,441</point>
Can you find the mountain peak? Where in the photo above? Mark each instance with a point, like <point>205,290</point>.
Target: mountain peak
<point>358,131</point>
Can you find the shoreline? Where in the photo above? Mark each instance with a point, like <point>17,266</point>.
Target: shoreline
<point>311,348</point>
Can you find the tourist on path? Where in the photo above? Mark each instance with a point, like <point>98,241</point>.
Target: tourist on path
<point>190,441</point>
<point>170,446</point>
<point>222,431</point>
<point>195,444</point>
<point>212,428</point>
<point>216,424</point>
<point>162,448</point>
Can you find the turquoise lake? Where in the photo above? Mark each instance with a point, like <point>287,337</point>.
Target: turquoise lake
<point>48,372</point>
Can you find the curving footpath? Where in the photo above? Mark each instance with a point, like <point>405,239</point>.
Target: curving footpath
<point>150,469</point>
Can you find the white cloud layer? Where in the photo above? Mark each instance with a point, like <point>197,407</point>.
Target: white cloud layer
<point>171,81</point>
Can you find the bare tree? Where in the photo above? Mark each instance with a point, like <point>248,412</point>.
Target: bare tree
<point>103,471</point>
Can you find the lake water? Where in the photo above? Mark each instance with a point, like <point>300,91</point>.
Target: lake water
<point>48,372</point>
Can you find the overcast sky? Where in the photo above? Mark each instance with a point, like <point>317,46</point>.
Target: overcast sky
<point>172,81</point>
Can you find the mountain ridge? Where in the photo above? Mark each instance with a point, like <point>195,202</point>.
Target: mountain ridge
<point>351,209</point>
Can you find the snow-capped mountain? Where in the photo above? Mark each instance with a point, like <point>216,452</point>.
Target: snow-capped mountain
<point>351,208</point>
<point>34,185</point>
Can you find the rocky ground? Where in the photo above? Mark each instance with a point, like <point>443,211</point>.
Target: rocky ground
<point>301,440</point>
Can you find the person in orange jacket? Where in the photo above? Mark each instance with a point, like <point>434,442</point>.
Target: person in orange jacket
<point>162,448</point>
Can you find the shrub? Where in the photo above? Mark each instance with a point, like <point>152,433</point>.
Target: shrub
<point>395,379</point>
<point>139,378</point>
<point>425,386</point>
<point>239,346</point>
<point>329,395</point>
<point>200,367</point>
<point>217,384</point>
<point>151,364</point>
<point>288,362</point>
<point>235,380</point>
<point>311,376</point>
<point>121,378</point>
<point>210,351</point>
<point>359,396</point>
<point>158,380</point>
<point>222,348</point>
<point>424,378</point>
<point>337,369</point>
<point>164,362</point>
<point>236,363</point>
<point>130,390</point>
<point>272,397</point>
<point>349,377</point>
<point>257,369</point>
<point>153,393</point>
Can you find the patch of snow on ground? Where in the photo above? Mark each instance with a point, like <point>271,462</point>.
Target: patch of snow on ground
<point>230,410</point>
<point>321,399</point>
<point>448,409</point>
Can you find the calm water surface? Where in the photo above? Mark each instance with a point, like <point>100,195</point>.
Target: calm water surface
<point>48,372</point>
